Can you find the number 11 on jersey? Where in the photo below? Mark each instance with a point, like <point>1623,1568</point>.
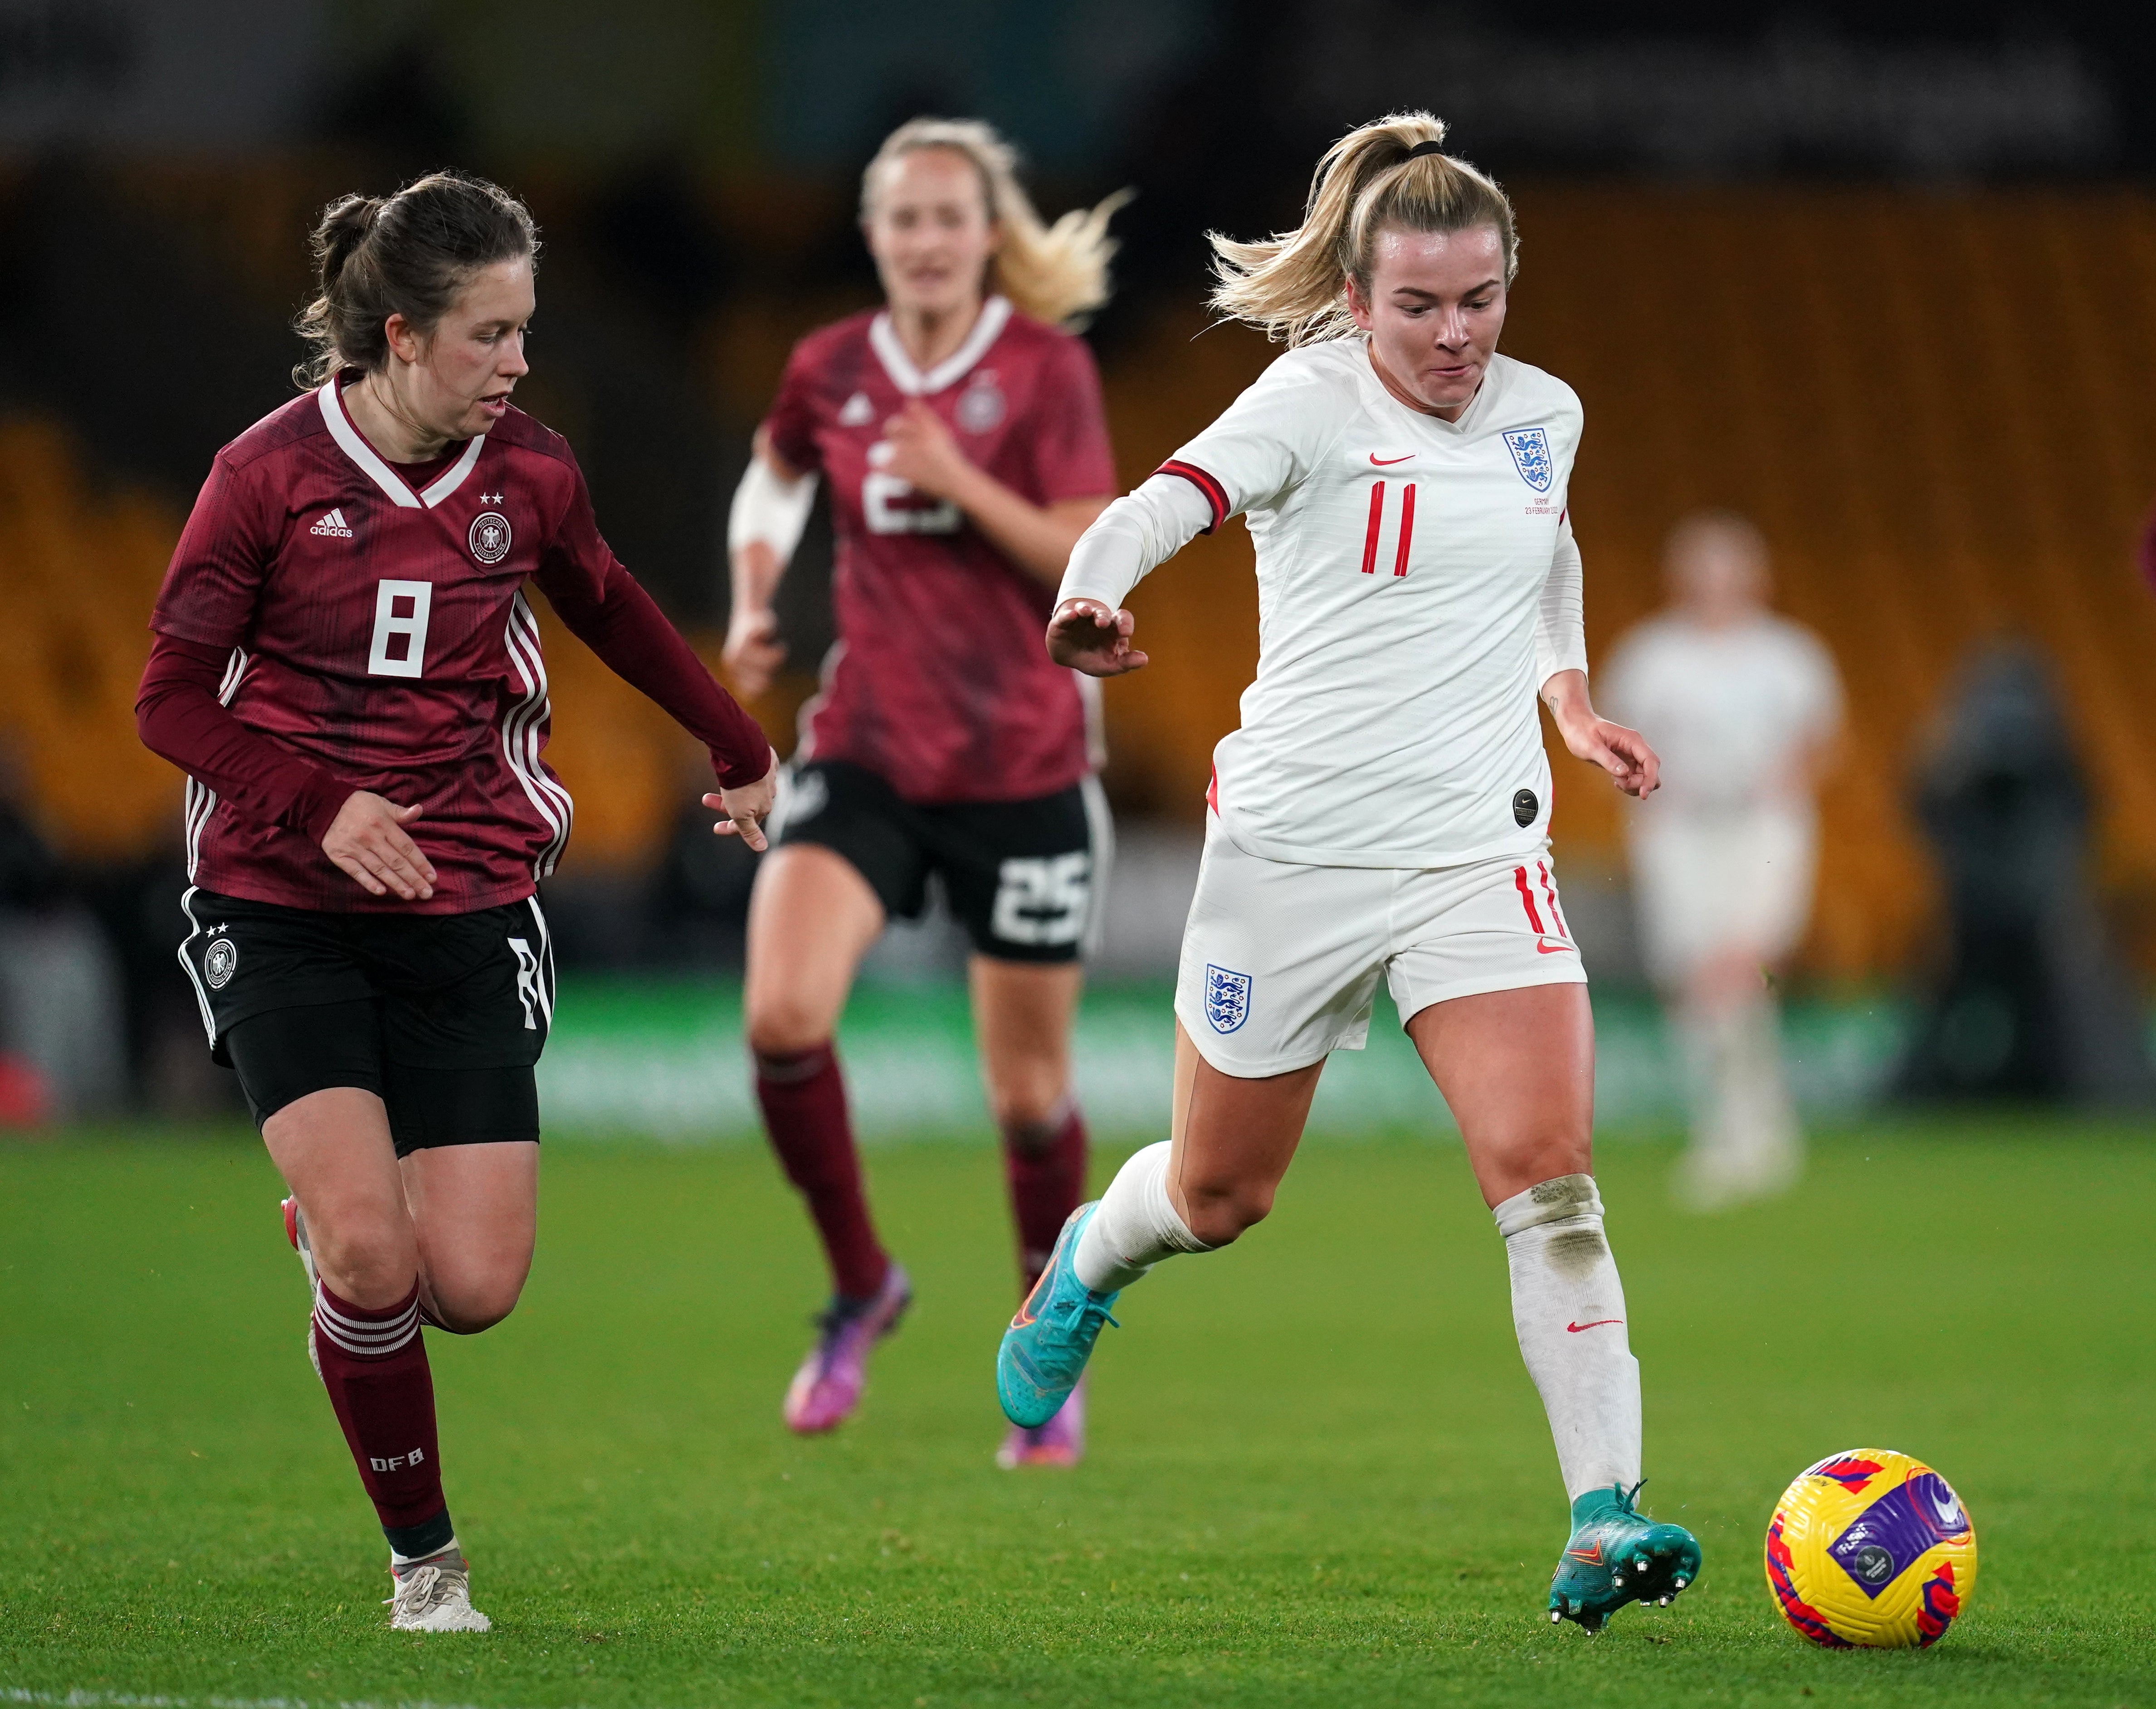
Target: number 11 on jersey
<point>1378,522</point>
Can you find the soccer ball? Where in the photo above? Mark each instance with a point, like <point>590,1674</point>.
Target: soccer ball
<point>1871,1548</point>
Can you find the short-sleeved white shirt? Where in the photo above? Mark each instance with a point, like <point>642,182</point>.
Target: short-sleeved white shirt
<point>1730,710</point>
<point>1401,564</point>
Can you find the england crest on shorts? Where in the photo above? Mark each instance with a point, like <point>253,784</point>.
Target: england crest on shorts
<point>1531,456</point>
<point>1227,998</point>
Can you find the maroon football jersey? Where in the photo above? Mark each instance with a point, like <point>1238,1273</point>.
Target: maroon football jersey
<point>940,680</point>
<point>379,629</point>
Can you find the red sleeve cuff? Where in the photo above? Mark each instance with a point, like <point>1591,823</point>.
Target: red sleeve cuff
<point>314,809</point>
<point>739,775</point>
<point>1216,496</point>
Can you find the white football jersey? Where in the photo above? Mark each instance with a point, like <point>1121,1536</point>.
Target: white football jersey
<point>1731,711</point>
<point>1417,585</point>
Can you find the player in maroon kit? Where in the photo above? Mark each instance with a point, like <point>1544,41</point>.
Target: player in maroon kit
<point>347,671</point>
<point>962,437</point>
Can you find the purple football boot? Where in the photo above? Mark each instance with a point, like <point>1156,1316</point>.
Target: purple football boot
<point>828,1387</point>
<point>1061,1441</point>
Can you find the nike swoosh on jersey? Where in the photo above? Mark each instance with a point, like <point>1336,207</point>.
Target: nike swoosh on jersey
<point>1543,948</point>
<point>1574,1328</point>
<point>1387,462</point>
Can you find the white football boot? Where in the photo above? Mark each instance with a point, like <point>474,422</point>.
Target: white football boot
<point>435,1595</point>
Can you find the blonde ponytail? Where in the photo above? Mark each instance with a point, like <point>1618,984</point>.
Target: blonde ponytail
<point>1055,273</point>
<point>1294,285</point>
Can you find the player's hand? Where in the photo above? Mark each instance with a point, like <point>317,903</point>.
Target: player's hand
<point>1633,765</point>
<point>753,651</point>
<point>924,454</point>
<point>367,839</point>
<point>1087,636</point>
<point>747,809</point>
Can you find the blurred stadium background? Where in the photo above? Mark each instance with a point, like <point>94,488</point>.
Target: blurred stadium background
<point>1882,278</point>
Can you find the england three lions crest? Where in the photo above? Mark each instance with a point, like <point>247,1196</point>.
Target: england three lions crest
<point>1227,998</point>
<point>1531,456</point>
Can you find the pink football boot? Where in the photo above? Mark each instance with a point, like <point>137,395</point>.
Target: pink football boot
<point>1061,1441</point>
<point>828,1387</point>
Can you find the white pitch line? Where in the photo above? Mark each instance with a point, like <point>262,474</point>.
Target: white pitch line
<point>129,1700</point>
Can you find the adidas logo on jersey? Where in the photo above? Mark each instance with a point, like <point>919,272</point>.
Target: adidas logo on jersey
<point>332,525</point>
<point>859,412</point>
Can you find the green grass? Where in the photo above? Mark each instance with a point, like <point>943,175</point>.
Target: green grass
<point>1319,1475</point>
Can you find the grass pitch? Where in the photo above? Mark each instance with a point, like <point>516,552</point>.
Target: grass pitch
<point>1319,1474</point>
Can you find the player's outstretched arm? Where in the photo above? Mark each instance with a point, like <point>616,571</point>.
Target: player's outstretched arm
<point>604,607</point>
<point>1090,631</point>
<point>1632,765</point>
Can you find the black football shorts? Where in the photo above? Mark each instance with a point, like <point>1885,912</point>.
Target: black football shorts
<point>1026,879</point>
<point>441,1016</point>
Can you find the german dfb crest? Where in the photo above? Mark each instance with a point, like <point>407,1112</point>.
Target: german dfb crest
<point>1531,456</point>
<point>1227,998</point>
<point>490,537</point>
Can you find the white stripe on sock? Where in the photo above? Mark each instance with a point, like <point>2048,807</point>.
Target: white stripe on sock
<point>367,1338</point>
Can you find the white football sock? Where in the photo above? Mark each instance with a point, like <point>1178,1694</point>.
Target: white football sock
<point>1756,1087</point>
<point>1136,1226</point>
<point>1568,1308</point>
<point>1746,1138</point>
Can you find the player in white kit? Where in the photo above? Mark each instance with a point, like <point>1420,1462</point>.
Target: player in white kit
<point>1745,705</point>
<point>1384,809</point>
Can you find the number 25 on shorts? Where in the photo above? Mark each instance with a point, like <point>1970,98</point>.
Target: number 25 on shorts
<point>1043,899</point>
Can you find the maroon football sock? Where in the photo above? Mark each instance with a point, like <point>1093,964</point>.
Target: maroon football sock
<point>374,1365</point>
<point>804,1107</point>
<point>1045,1164</point>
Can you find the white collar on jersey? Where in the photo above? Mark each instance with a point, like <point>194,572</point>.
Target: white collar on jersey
<point>353,443</point>
<point>911,381</point>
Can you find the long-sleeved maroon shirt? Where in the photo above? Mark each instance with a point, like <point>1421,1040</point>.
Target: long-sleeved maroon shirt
<point>331,622</point>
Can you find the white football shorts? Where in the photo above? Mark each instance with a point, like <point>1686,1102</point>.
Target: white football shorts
<point>1280,961</point>
<point>1707,883</point>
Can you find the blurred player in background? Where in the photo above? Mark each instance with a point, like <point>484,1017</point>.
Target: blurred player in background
<point>1744,707</point>
<point>347,671</point>
<point>1384,808</point>
<point>962,437</point>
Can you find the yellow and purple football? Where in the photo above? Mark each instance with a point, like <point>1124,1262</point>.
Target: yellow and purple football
<point>1870,1549</point>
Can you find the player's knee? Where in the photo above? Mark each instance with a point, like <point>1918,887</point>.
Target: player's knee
<point>1031,1117</point>
<point>472,1304</point>
<point>781,1033</point>
<point>1219,1212</point>
<point>1534,1158</point>
<point>370,1272</point>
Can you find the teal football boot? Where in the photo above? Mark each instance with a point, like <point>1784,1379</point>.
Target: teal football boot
<point>1617,1555</point>
<point>1045,1348</point>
